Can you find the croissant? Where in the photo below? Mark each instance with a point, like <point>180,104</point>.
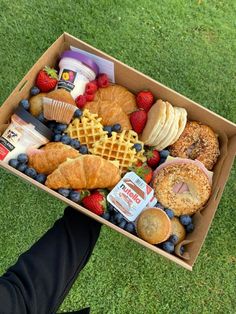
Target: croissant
<point>110,112</point>
<point>124,98</point>
<point>48,158</point>
<point>84,172</point>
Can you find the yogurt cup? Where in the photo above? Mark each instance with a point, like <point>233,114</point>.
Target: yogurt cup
<point>76,70</point>
<point>24,132</point>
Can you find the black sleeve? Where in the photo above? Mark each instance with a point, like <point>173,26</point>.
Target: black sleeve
<point>42,276</point>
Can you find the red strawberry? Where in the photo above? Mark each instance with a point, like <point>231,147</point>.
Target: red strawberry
<point>143,171</point>
<point>91,88</point>
<point>80,101</point>
<point>103,80</point>
<point>89,97</point>
<point>138,120</point>
<point>153,158</point>
<point>46,79</point>
<point>95,202</point>
<point>145,100</point>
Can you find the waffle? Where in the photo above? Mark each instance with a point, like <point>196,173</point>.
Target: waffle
<point>119,147</point>
<point>88,129</point>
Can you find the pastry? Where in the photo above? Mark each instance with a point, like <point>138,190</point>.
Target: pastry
<point>84,172</point>
<point>46,159</point>
<point>178,229</point>
<point>153,225</point>
<point>36,105</point>
<point>110,112</point>
<point>124,98</point>
<point>88,129</point>
<point>182,186</point>
<point>198,141</point>
<point>119,147</point>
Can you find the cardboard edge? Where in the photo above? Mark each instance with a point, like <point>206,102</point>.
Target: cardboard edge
<point>83,210</point>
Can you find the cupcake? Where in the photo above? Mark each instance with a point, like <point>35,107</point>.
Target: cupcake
<point>59,105</point>
<point>178,229</point>
<point>153,225</point>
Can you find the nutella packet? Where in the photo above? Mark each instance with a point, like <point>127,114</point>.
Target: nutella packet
<point>131,195</point>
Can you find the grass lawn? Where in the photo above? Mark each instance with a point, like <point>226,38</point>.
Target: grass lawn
<point>191,47</point>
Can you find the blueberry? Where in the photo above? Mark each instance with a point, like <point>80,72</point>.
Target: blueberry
<point>65,139</point>
<point>164,153</point>
<point>173,238</point>
<point>83,149</point>
<point>169,213</point>
<point>108,128</point>
<point>25,104</point>
<point>119,217</point>
<point>60,127</point>
<point>41,178</point>
<point>138,147</point>
<point>64,192</point>
<point>22,158</point>
<point>31,172</point>
<point>56,138</point>
<point>116,128</point>
<point>13,163</point>
<point>51,125</point>
<point>185,220</point>
<point>159,205</point>
<point>106,215</point>
<point>75,143</point>
<point>112,220</point>
<point>122,223</point>
<point>34,91</point>
<point>168,246</point>
<point>41,118</point>
<point>130,227</point>
<point>22,167</point>
<point>78,113</point>
<point>110,207</point>
<point>74,196</point>
<point>189,228</point>
<point>182,250</point>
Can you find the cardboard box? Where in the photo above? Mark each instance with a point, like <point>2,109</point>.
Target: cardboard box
<point>135,81</point>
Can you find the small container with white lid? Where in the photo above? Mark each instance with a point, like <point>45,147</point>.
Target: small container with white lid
<point>76,70</point>
<point>24,132</point>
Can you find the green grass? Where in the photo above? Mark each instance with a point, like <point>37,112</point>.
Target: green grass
<point>191,47</point>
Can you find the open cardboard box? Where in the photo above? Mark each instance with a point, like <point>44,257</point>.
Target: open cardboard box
<point>135,81</point>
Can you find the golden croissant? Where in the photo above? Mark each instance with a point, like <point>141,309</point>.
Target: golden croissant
<point>84,172</point>
<point>48,158</point>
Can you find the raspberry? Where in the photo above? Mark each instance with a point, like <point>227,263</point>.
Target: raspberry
<point>103,80</point>
<point>91,88</point>
<point>89,97</point>
<point>80,101</point>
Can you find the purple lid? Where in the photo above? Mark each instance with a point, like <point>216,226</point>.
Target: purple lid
<point>82,58</point>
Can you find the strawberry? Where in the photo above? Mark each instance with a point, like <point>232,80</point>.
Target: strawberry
<point>153,158</point>
<point>80,101</point>
<point>143,171</point>
<point>145,100</point>
<point>95,202</point>
<point>103,80</point>
<point>46,79</point>
<point>138,120</point>
<point>89,97</point>
<point>91,88</point>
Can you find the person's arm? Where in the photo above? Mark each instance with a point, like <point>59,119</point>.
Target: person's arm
<point>42,276</point>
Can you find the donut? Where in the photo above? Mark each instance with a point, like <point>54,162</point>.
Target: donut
<point>182,187</point>
<point>153,225</point>
<point>198,141</point>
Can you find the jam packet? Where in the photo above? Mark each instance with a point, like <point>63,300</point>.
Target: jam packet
<point>131,195</point>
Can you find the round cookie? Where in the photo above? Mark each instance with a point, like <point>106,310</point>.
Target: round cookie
<point>178,229</point>
<point>153,225</point>
<point>182,187</point>
<point>198,141</point>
